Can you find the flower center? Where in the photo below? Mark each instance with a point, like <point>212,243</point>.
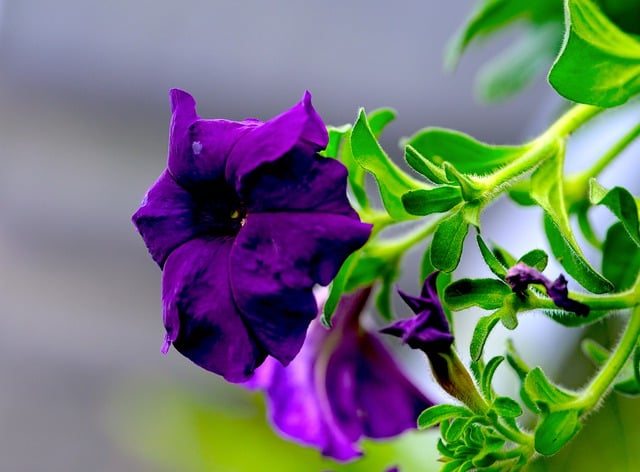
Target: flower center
<point>218,211</point>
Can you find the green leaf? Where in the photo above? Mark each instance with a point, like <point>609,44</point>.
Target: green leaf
<point>547,191</point>
<point>392,181</point>
<point>355,173</point>
<point>448,239</point>
<point>379,119</point>
<point>536,258</point>
<point>542,391</point>
<point>481,333</point>
<point>336,134</point>
<point>503,256</point>
<point>487,376</point>
<point>599,64</point>
<point>570,320</point>
<point>574,262</point>
<point>516,362</point>
<point>485,293</point>
<point>467,155</point>
<point>383,297</point>
<point>453,466</point>
<point>507,407</point>
<point>508,312</point>
<point>367,267</point>
<point>517,66</point>
<point>594,351</point>
<point>621,203</point>
<point>620,258</point>
<point>492,15</point>
<point>439,413</point>
<point>555,430</point>
<point>628,380</point>
<point>435,200</point>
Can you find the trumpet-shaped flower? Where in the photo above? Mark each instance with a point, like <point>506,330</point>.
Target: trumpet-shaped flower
<point>244,221</point>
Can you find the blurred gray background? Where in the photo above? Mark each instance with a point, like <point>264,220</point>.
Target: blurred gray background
<point>83,130</point>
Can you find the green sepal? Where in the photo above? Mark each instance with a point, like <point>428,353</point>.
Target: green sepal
<point>391,180</point>
<point>555,430</point>
<point>448,239</point>
<point>542,392</point>
<point>435,200</point>
<point>337,288</point>
<point>485,293</point>
<point>439,413</point>
<point>490,259</point>
<point>481,333</point>
<point>504,257</point>
<point>536,258</point>
<point>547,191</point>
<point>572,259</point>
<point>620,257</point>
<point>507,407</point>
<point>599,64</point>
<point>424,166</point>
<point>487,376</point>
<point>621,203</point>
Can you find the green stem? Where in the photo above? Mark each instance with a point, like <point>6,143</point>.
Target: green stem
<point>611,154</point>
<point>399,245</point>
<point>513,435</point>
<point>608,301</point>
<point>542,148</point>
<point>602,382</point>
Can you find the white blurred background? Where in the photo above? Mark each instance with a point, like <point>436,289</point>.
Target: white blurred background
<point>83,131</point>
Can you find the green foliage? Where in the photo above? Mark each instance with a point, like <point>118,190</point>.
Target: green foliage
<point>486,378</point>
<point>495,265</point>
<point>485,293</point>
<point>599,63</point>
<point>439,413</point>
<point>555,430</point>
<point>628,382</point>
<point>481,333</point>
<point>435,200</point>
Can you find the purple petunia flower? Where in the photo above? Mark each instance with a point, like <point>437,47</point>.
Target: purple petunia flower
<point>244,221</point>
<point>343,385</point>
<point>429,330</point>
<point>521,276</point>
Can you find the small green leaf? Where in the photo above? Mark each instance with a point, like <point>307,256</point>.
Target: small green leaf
<point>435,200</point>
<point>367,267</point>
<point>481,333</point>
<point>464,153</point>
<point>503,256</point>
<point>507,407</point>
<point>620,258</point>
<point>542,391</point>
<point>456,428</point>
<point>570,320</point>
<point>487,376</point>
<point>446,247</point>
<point>628,379</point>
<point>515,361</point>
<point>599,64</point>
<point>383,297</point>
<point>508,312</point>
<point>621,203</point>
<point>392,181</point>
<point>453,466</point>
<point>336,134</point>
<point>536,258</point>
<point>555,430</point>
<point>379,119</point>
<point>439,413</point>
<point>490,259</point>
<point>485,293</point>
<point>594,351</point>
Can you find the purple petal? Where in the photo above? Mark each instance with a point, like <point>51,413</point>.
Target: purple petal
<point>165,218</point>
<point>198,149</point>
<point>200,315</point>
<point>276,260</point>
<point>299,127</point>
<point>298,182</point>
<point>381,384</point>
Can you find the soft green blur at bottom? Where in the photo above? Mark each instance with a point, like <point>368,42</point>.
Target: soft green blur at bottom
<point>223,429</point>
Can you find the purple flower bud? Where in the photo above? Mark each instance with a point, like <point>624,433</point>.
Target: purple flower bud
<point>244,221</point>
<point>344,385</point>
<point>429,330</point>
<point>520,276</point>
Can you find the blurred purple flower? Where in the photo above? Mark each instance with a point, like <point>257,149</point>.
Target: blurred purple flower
<point>246,218</point>
<point>344,385</point>
<point>429,330</point>
<point>521,276</point>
